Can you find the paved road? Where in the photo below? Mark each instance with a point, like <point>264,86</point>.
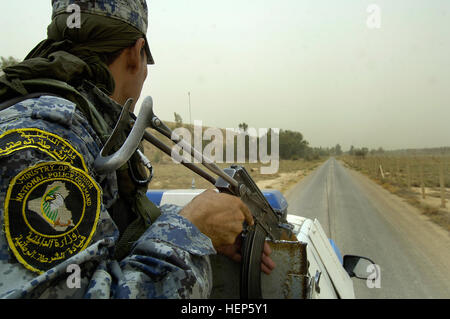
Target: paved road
<point>366,220</point>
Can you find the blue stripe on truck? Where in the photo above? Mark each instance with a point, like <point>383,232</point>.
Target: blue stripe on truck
<point>336,250</point>
<point>274,197</point>
<point>155,196</point>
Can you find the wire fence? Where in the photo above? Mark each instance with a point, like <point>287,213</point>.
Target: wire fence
<point>424,172</point>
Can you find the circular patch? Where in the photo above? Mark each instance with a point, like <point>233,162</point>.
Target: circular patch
<point>51,212</point>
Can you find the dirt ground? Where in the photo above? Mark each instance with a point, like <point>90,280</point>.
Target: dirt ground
<point>433,197</point>
<point>169,175</point>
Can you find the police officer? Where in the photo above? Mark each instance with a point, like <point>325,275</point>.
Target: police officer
<point>68,232</point>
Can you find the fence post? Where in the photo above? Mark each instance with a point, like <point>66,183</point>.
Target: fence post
<point>382,173</point>
<point>387,170</point>
<point>422,181</point>
<point>408,172</point>
<point>393,172</point>
<point>441,180</point>
<point>374,167</point>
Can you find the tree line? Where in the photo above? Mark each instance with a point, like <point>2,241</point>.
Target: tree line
<point>292,144</point>
<point>432,151</point>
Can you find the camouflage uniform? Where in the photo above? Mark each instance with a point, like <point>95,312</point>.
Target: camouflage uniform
<point>54,213</point>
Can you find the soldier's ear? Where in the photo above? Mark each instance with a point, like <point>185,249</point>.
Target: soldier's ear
<point>136,55</point>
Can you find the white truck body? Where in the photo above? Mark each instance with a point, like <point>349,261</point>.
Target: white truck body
<point>327,279</point>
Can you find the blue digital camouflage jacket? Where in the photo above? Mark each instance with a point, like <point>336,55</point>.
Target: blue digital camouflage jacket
<point>57,239</point>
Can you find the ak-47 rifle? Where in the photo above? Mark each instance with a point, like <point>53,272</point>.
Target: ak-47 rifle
<point>235,181</point>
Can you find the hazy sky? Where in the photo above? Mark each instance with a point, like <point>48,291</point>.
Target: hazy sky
<point>312,66</point>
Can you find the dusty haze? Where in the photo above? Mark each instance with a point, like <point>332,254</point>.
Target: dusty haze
<point>310,66</point>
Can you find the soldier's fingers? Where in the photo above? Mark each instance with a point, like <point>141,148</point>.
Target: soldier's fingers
<point>265,269</point>
<point>267,249</point>
<point>268,262</point>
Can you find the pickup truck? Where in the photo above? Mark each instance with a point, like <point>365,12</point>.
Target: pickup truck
<point>312,268</point>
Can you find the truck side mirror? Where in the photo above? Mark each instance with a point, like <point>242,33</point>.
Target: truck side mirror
<point>357,266</point>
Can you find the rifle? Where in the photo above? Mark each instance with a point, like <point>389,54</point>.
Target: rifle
<point>235,181</point>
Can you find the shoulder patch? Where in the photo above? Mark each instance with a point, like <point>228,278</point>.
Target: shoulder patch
<point>53,145</point>
<point>51,213</point>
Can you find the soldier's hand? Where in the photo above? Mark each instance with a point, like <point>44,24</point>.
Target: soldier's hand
<point>234,253</point>
<point>218,216</point>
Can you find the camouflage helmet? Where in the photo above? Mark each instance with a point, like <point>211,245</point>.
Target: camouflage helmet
<point>133,12</point>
